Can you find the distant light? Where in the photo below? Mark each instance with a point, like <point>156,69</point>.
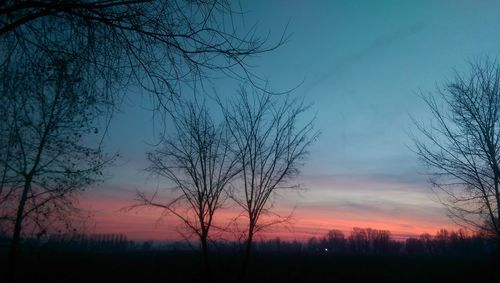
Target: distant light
<point>326,250</point>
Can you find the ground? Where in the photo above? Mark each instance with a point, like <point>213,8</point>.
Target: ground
<point>183,266</point>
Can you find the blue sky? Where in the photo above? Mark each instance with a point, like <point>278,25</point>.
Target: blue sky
<point>361,64</point>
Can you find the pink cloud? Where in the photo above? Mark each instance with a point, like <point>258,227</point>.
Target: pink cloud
<point>338,204</point>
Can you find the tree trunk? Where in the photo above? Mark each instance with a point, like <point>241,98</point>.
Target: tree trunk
<point>17,228</point>
<point>246,257</point>
<point>206,261</point>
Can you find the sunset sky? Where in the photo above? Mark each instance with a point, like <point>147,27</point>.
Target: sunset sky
<point>361,64</point>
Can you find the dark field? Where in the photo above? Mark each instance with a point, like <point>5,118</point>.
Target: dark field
<point>167,266</point>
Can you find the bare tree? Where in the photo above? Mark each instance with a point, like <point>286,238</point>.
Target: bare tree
<point>9,182</point>
<point>49,115</point>
<point>462,146</point>
<point>158,45</point>
<point>272,141</point>
<point>197,161</point>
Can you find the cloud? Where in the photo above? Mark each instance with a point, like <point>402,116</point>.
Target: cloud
<point>400,203</point>
<point>396,202</point>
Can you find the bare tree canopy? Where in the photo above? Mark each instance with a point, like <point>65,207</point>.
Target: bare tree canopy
<point>272,142</point>
<point>49,115</point>
<point>462,145</point>
<point>158,45</point>
<point>197,161</point>
<point>252,153</point>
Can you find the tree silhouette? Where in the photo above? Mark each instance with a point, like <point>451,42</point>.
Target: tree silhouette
<point>272,142</point>
<point>199,164</point>
<point>49,114</point>
<point>462,146</point>
<point>157,45</point>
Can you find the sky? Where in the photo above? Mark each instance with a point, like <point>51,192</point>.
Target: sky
<point>361,64</point>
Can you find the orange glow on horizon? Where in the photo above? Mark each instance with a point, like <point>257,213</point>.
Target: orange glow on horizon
<point>108,216</point>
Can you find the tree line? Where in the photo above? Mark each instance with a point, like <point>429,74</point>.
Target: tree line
<point>382,242</point>
<point>359,241</point>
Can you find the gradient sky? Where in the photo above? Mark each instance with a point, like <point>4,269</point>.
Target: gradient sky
<point>361,64</point>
